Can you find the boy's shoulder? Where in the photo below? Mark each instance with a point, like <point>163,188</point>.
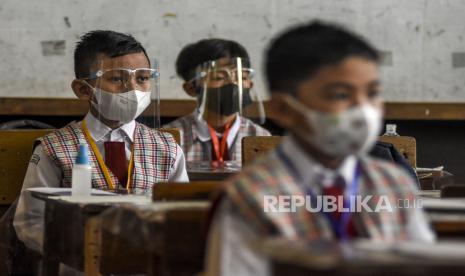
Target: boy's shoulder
<point>268,172</point>
<point>265,173</point>
<point>246,190</point>
<point>388,174</point>
<point>253,129</point>
<point>70,129</point>
<point>155,135</point>
<point>182,123</point>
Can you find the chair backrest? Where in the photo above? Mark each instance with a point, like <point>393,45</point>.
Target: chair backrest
<point>197,190</point>
<point>173,131</point>
<point>254,146</point>
<point>406,145</point>
<point>16,147</point>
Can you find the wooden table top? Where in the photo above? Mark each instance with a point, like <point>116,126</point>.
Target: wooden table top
<point>362,258</point>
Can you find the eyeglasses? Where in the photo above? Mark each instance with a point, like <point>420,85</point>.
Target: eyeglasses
<point>221,76</point>
<point>122,77</point>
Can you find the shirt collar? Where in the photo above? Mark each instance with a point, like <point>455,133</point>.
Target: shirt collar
<point>313,172</point>
<point>203,133</point>
<point>99,130</point>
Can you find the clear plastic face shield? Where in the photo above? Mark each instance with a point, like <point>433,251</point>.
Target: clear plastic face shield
<point>126,88</point>
<point>224,90</point>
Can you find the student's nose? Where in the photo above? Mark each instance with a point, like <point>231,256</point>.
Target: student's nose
<point>232,78</point>
<point>132,83</point>
<point>233,81</point>
<point>360,98</point>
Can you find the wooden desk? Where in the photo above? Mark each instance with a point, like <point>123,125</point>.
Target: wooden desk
<point>168,237</point>
<point>448,225</point>
<point>330,258</point>
<point>447,215</point>
<point>429,193</point>
<point>203,171</point>
<point>64,228</point>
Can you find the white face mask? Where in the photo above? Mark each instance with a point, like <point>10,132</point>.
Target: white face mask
<point>354,131</point>
<point>121,107</point>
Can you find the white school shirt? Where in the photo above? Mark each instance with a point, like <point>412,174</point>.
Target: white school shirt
<point>228,244</point>
<point>29,216</point>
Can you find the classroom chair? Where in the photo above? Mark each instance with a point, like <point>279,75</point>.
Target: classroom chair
<point>176,133</point>
<point>254,146</point>
<point>406,145</point>
<point>16,147</point>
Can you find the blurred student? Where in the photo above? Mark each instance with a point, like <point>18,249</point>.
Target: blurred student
<point>325,90</point>
<point>210,70</point>
<point>113,74</point>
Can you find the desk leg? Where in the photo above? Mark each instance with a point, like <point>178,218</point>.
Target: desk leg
<point>50,265</point>
<point>92,247</point>
<point>154,265</point>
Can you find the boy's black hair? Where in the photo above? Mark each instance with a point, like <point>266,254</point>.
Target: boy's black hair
<point>298,53</point>
<point>195,54</point>
<point>109,43</point>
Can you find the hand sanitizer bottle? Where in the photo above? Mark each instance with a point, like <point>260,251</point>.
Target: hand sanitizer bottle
<point>391,130</point>
<point>81,181</point>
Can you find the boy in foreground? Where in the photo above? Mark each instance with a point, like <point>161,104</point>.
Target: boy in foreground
<point>325,89</point>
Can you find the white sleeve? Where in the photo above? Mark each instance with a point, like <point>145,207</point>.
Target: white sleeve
<point>178,171</point>
<point>228,247</point>
<point>29,216</point>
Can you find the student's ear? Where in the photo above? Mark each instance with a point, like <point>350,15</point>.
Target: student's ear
<point>286,113</point>
<point>251,85</point>
<point>82,90</point>
<point>283,111</point>
<point>189,88</point>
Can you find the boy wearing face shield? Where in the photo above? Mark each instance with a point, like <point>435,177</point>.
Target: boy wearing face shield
<point>114,75</point>
<point>214,131</point>
<point>325,83</point>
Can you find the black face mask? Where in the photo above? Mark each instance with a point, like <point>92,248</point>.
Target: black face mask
<point>224,100</point>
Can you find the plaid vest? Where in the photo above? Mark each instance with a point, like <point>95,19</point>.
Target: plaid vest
<point>193,148</point>
<point>270,176</point>
<point>154,155</point>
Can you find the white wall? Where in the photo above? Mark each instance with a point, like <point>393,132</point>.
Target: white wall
<point>421,35</point>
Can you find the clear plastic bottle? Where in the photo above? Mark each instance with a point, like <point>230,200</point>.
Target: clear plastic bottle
<point>81,181</point>
<point>391,130</point>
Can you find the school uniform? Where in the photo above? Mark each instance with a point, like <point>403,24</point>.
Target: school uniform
<point>196,139</point>
<point>155,157</point>
<point>288,171</point>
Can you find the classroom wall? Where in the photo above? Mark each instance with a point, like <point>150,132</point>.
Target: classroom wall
<point>422,40</point>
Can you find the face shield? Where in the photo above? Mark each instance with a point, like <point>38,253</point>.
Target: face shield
<point>224,89</point>
<point>124,90</point>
